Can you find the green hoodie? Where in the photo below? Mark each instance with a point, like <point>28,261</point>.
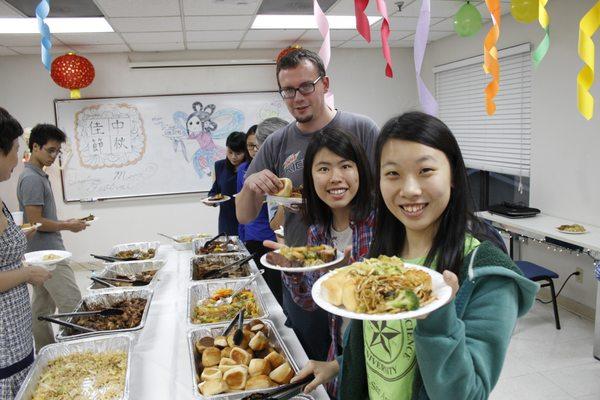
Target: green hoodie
<point>460,347</point>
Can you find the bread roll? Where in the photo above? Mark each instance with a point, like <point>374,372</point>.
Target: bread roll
<point>349,295</point>
<point>226,364</point>
<point>287,188</point>
<point>211,373</point>
<point>259,366</point>
<point>282,374</point>
<point>259,341</point>
<point>213,387</point>
<point>204,343</point>
<point>236,377</point>
<point>240,356</point>
<point>211,357</point>
<point>275,359</point>
<point>221,342</point>
<point>259,382</point>
<point>332,291</point>
<point>226,352</point>
<point>259,327</point>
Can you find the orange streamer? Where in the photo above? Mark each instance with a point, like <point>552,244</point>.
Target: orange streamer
<point>490,56</point>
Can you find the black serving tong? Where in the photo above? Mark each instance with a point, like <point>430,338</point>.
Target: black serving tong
<point>213,239</point>
<point>235,319</point>
<point>102,281</point>
<point>107,312</point>
<point>78,328</point>
<point>134,282</point>
<point>113,259</point>
<point>218,271</point>
<point>282,393</point>
<point>238,336</point>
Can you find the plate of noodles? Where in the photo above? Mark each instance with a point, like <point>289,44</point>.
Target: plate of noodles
<point>379,289</point>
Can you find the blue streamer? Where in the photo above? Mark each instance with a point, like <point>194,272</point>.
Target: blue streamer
<point>597,269</point>
<point>41,12</point>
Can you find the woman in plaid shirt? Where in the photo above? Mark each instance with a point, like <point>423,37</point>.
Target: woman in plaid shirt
<point>16,338</point>
<point>338,188</point>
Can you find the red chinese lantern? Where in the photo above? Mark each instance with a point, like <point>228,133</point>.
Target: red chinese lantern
<point>72,72</point>
<point>287,51</point>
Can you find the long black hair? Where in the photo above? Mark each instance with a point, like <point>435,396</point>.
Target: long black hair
<point>447,249</point>
<point>236,142</point>
<point>347,146</point>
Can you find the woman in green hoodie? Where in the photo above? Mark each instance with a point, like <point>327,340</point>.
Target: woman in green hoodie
<point>425,216</point>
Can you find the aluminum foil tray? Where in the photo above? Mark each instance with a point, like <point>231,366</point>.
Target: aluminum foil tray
<point>197,333</point>
<point>202,290</point>
<point>144,246</point>
<point>107,298</point>
<point>228,258</point>
<point>48,353</point>
<point>188,245</point>
<point>236,247</point>
<point>112,270</point>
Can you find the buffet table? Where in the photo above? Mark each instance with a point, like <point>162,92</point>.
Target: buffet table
<point>160,366</point>
<point>542,227</point>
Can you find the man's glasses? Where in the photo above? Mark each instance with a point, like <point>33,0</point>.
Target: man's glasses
<point>53,153</point>
<point>305,88</point>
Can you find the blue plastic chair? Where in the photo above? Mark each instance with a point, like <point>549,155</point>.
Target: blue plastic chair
<point>538,273</point>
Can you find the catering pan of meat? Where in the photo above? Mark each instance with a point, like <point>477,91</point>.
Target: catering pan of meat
<point>222,369</point>
<point>143,271</point>
<point>134,302</point>
<point>223,244</point>
<point>136,251</point>
<point>91,368</point>
<point>208,266</point>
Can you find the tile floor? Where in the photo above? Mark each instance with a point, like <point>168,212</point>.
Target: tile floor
<point>549,364</point>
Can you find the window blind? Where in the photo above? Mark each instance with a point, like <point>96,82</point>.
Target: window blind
<point>501,142</point>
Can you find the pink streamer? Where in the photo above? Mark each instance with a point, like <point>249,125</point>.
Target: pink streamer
<point>362,22</point>
<point>428,102</point>
<point>325,51</point>
<point>385,34</point>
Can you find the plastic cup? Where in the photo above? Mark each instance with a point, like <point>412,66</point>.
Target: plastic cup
<point>18,217</point>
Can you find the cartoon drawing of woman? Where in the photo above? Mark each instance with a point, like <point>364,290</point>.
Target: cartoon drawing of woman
<point>200,127</point>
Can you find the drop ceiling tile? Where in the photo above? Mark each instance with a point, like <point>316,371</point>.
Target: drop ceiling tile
<point>157,46</point>
<point>20,39</point>
<point>153,37</point>
<point>394,36</point>
<point>102,48</point>
<point>433,36</point>
<point>146,24</point>
<point>336,34</point>
<point>214,36</point>
<point>316,44</point>
<point>5,51</point>
<point>139,8</point>
<point>220,7</point>
<point>439,8</point>
<point>56,50</point>
<point>266,44</point>
<point>89,38</point>
<point>8,12</point>
<point>406,23</point>
<point>212,45</point>
<point>345,7</point>
<point>274,34</point>
<point>217,23</point>
<point>485,13</point>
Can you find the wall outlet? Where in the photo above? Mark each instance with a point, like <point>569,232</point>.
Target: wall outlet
<point>579,278</point>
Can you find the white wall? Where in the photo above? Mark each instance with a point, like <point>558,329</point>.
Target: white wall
<point>564,163</point>
<point>27,92</point>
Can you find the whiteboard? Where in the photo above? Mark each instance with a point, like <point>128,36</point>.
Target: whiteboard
<point>152,145</point>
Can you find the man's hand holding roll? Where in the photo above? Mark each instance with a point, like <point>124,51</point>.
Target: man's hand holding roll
<point>264,182</point>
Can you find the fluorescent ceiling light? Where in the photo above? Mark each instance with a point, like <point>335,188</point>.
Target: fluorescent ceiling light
<point>56,25</point>
<point>306,21</point>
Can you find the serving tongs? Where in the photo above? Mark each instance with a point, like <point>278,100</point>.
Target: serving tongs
<point>213,239</point>
<point>54,318</point>
<point>244,285</point>
<point>133,282</point>
<point>283,393</point>
<point>220,270</point>
<point>170,237</point>
<point>113,259</point>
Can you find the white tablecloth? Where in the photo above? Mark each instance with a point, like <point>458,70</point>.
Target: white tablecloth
<point>160,362</point>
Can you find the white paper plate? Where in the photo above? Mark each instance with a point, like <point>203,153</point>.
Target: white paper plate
<point>224,199</point>
<point>32,227</point>
<point>37,257</point>
<point>441,291</point>
<point>285,201</point>
<point>279,231</point>
<point>339,257</point>
<point>571,233</point>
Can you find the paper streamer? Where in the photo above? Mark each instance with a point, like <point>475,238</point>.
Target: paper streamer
<point>542,48</point>
<point>362,22</point>
<point>325,51</point>
<point>597,269</point>
<point>41,12</point>
<point>588,25</point>
<point>385,34</point>
<point>490,56</point>
<point>427,100</point>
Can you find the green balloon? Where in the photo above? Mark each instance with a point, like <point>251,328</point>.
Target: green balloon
<point>467,20</point>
